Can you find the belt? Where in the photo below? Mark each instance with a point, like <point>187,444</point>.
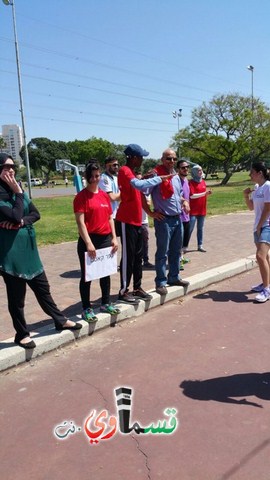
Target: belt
<point>171,216</point>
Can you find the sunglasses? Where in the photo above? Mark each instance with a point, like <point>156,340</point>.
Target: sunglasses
<point>115,165</point>
<point>8,166</point>
<point>171,159</point>
<point>184,168</point>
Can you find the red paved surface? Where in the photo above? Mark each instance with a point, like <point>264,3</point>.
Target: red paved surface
<point>227,238</point>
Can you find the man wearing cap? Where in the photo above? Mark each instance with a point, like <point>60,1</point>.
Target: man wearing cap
<point>129,221</point>
<point>168,199</point>
<point>109,184</point>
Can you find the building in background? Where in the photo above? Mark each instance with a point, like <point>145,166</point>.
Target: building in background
<point>12,136</point>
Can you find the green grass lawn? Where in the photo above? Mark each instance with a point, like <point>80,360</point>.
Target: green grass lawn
<point>58,224</point>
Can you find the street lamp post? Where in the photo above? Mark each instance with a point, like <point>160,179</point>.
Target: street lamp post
<point>251,69</point>
<point>177,114</point>
<point>28,173</point>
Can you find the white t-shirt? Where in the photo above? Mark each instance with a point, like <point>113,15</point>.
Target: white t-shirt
<point>260,196</point>
<point>109,184</point>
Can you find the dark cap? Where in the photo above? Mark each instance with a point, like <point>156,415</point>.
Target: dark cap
<point>133,150</point>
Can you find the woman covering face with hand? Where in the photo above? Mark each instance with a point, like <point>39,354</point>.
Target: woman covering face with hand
<point>20,264</point>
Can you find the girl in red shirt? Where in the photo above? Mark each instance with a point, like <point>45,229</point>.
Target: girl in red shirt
<point>93,213</point>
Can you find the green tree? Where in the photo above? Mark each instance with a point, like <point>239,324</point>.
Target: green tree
<point>43,153</point>
<point>2,144</point>
<point>81,151</point>
<point>226,134</point>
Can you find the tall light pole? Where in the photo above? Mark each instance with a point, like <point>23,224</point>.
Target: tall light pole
<point>28,173</point>
<point>177,114</point>
<point>251,69</point>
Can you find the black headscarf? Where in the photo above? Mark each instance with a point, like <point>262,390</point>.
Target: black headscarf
<point>5,190</point>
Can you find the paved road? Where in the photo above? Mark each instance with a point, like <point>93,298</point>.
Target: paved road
<point>206,355</point>
<point>38,192</point>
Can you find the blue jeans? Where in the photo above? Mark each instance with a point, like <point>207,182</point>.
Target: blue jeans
<point>200,224</point>
<point>169,241</point>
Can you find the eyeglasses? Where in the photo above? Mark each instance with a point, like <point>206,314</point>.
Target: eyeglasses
<point>184,168</point>
<point>115,165</point>
<point>170,159</point>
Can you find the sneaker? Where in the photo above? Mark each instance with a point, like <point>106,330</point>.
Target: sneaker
<point>109,308</point>
<point>257,288</point>
<point>185,260</point>
<point>161,290</point>
<point>263,296</point>
<point>140,293</point>
<point>127,297</point>
<point>89,315</point>
<point>201,249</point>
<point>148,265</point>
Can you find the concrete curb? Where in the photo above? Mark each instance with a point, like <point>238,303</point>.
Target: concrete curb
<point>47,339</point>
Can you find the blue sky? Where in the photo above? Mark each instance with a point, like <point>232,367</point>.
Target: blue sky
<point>116,69</point>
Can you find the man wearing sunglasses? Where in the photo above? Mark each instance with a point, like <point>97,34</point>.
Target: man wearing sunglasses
<point>183,170</point>
<point>109,184</point>
<point>169,201</point>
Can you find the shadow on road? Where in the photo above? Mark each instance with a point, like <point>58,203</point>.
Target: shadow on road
<point>237,297</point>
<point>223,389</point>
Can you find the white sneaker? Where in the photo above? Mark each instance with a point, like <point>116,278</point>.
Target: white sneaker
<point>263,296</point>
<point>257,288</point>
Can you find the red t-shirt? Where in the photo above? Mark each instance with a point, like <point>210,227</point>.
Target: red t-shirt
<point>130,208</point>
<point>197,205</point>
<point>97,210</point>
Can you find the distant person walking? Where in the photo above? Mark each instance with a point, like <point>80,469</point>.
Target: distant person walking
<point>259,201</point>
<point>20,264</point>
<point>198,201</point>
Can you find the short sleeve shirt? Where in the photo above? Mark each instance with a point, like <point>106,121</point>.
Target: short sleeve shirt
<point>260,196</point>
<point>97,210</point>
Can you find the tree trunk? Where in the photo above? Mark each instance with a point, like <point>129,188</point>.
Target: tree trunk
<point>226,178</point>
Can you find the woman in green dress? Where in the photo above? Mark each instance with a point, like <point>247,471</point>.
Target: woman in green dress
<point>20,264</point>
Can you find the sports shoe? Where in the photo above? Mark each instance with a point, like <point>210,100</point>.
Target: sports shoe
<point>201,249</point>
<point>257,288</point>
<point>263,296</point>
<point>162,290</point>
<point>109,308</point>
<point>148,265</point>
<point>185,260</point>
<point>140,293</point>
<point>89,315</point>
<point>127,297</point>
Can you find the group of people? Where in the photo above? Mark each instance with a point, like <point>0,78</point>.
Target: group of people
<point>109,206</point>
<point>127,204</point>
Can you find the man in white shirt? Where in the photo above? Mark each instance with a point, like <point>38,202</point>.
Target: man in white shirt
<point>109,184</point>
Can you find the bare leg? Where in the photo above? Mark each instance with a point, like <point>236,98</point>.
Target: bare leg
<point>263,262</point>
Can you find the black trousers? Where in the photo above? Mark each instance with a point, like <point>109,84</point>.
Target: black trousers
<point>16,291</point>
<point>99,241</point>
<point>186,234</point>
<point>132,254</point>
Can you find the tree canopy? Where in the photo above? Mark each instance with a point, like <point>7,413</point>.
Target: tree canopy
<point>229,132</point>
<point>43,152</point>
